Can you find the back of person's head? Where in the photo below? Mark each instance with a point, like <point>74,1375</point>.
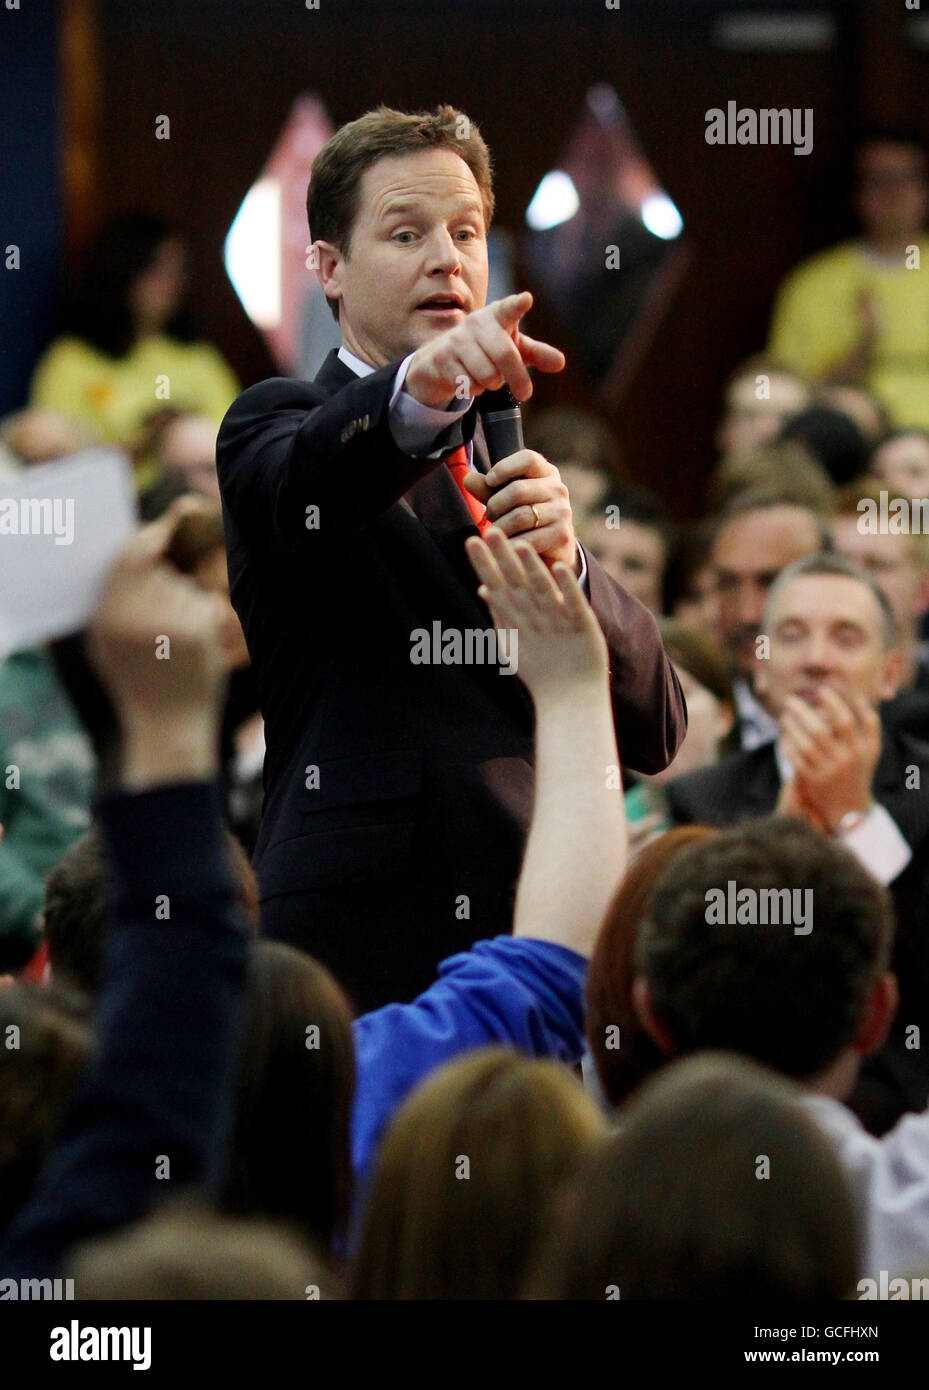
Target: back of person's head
<point>715,1186</point>
<point>833,438</point>
<point>76,909</point>
<point>198,535</point>
<point>694,652</point>
<point>766,940</point>
<point>622,1051</point>
<point>185,1251</point>
<point>334,193</point>
<point>289,1152</point>
<point>701,659</point>
<point>868,413</point>
<point>579,438</point>
<point>787,469</point>
<point>756,501</point>
<point>464,1177</point>
<point>45,1046</point>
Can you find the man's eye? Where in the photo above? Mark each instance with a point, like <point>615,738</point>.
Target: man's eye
<point>398,235</point>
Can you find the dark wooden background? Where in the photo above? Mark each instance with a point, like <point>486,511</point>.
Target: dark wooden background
<point>227,72</point>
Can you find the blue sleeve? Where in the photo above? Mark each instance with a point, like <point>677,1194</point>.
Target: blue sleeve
<point>512,990</point>
<point>161,1084</point>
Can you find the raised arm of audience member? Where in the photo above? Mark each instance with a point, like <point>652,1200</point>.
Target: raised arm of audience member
<point>527,989</point>
<point>155,1103</point>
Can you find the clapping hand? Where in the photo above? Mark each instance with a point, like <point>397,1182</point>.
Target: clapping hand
<point>833,749</point>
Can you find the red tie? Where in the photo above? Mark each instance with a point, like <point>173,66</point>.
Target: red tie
<point>459,468</point>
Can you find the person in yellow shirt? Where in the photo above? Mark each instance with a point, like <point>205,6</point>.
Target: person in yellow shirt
<point>129,348</point>
<point>858,313</point>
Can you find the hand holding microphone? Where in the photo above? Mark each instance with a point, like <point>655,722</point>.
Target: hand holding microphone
<point>486,353</point>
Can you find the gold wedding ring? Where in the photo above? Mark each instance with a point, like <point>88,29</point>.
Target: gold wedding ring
<point>535,512</point>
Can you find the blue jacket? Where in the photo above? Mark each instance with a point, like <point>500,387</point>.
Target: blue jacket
<point>512,990</point>
<point>169,1030</point>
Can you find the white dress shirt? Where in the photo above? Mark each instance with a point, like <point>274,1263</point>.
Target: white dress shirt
<point>890,1180</point>
<point>756,726</point>
<point>876,841</point>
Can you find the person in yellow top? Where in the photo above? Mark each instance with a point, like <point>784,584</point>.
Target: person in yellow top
<point>129,349</point>
<point>858,313</point>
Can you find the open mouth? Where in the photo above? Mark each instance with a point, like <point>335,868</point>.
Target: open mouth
<point>441,304</point>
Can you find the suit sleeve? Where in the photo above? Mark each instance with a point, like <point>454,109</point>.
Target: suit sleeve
<point>307,471</point>
<point>160,1090</point>
<point>648,704</point>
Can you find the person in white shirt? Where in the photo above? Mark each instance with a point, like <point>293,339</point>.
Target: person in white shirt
<point>772,942</point>
<point>832,657</point>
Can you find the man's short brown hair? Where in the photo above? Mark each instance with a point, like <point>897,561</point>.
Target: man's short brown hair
<point>332,197</point>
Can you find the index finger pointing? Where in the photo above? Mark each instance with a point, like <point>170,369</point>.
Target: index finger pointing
<point>510,310</point>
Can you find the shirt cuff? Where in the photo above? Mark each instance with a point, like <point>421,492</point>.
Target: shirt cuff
<point>415,427</point>
<point>878,845</point>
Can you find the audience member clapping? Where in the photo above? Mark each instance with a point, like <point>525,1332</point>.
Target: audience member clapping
<point>832,659</point>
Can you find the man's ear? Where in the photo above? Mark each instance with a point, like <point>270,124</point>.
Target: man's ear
<point>877,1015</point>
<point>329,259</point>
<point>642,1003</point>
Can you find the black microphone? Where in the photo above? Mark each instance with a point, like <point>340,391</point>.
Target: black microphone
<point>502,421</point>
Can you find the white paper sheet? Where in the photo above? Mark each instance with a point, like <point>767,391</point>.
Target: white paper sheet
<point>62,525</point>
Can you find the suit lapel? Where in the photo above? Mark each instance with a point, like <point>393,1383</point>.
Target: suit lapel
<point>905,804</point>
<point>432,516</point>
<point>762,783</point>
<point>333,374</point>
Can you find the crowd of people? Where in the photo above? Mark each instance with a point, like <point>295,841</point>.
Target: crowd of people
<point>247,1051</point>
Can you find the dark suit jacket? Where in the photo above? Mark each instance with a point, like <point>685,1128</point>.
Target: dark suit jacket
<point>409,847</point>
<point>746,785</point>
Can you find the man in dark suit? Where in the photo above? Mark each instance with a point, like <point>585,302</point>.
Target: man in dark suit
<point>398,776</point>
<point>833,658</point>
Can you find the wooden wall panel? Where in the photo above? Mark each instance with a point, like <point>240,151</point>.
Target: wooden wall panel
<point>227,73</point>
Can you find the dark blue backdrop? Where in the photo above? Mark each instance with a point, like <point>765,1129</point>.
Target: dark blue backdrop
<point>30,203</point>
